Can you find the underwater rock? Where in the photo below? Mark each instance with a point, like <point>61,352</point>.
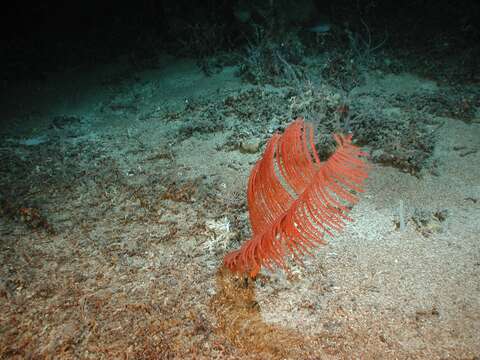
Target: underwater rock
<point>250,146</point>
<point>428,222</point>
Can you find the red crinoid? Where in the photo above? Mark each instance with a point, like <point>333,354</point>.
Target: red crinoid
<point>294,200</point>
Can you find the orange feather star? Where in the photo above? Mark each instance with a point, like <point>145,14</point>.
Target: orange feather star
<point>294,200</point>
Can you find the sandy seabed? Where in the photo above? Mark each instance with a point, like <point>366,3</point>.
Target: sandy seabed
<point>115,247</point>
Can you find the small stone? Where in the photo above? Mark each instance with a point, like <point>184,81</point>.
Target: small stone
<point>250,146</point>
